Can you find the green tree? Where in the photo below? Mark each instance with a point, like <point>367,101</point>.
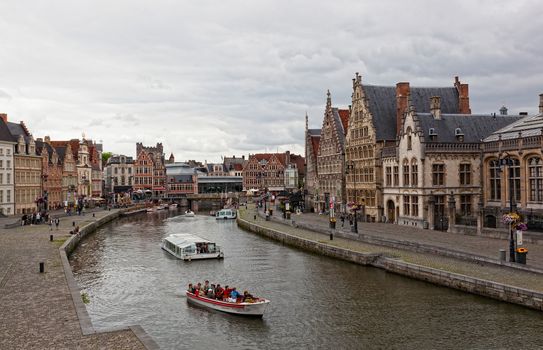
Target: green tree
<point>106,156</point>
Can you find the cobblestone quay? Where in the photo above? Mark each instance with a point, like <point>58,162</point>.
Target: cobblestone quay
<point>40,310</point>
<point>496,281</point>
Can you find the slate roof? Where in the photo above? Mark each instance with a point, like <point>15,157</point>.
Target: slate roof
<point>475,127</point>
<point>61,152</point>
<point>5,134</point>
<point>17,129</point>
<point>527,126</point>
<point>314,132</point>
<point>382,105</point>
<point>339,126</point>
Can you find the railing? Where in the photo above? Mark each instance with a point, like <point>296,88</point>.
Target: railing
<point>452,147</point>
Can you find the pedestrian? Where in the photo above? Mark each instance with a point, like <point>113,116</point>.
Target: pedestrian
<point>57,222</point>
<point>51,225</point>
<point>342,220</point>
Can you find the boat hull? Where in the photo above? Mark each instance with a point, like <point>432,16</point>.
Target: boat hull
<point>243,309</point>
<point>201,256</point>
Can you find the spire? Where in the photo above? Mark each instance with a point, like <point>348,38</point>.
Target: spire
<point>328,99</point>
<point>306,121</point>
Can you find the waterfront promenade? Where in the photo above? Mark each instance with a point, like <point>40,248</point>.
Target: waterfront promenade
<point>503,275</point>
<point>36,309</point>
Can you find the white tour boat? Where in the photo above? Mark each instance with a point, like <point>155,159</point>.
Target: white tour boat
<point>190,247</point>
<point>256,308</point>
<point>225,214</point>
<point>189,213</point>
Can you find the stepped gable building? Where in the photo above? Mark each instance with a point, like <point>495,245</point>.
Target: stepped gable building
<point>51,173</point>
<point>266,171</point>
<point>374,123</point>
<point>27,170</point>
<point>330,157</point>
<point>7,150</point>
<point>312,139</point>
<point>513,163</point>
<point>69,173</point>
<point>432,177</point>
<point>150,170</point>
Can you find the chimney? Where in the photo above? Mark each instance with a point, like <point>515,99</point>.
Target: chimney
<point>4,116</point>
<point>463,96</point>
<point>402,96</point>
<point>435,107</point>
<point>243,157</point>
<point>503,110</point>
<point>540,103</point>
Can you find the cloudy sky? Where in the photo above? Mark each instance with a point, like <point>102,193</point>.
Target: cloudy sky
<point>212,78</point>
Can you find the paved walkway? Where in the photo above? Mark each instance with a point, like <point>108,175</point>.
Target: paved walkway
<point>477,245</point>
<point>495,273</point>
<point>36,309</point>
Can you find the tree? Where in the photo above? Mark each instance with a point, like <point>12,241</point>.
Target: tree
<point>106,156</point>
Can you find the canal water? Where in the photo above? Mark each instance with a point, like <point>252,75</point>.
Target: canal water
<point>316,302</point>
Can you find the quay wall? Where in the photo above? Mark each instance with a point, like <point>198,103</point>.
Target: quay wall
<point>84,319</point>
<point>502,292</point>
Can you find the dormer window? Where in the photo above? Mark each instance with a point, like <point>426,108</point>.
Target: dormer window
<point>459,135</point>
<point>433,134</point>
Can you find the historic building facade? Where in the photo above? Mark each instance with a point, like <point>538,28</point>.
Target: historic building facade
<point>376,117</point>
<point>432,178</point>
<point>181,180</point>
<point>310,184</point>
<point>513,171</point>
<point>119,174</point>
<point>7,149</point>
<point>330,158</point>
<point>150,170</point>
<point>51,173</point>
<point>27,170</point>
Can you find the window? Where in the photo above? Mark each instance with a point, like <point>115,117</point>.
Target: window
<point>406,208</point>
<point>438,174</point>
<point>414,173</point>
<point>405,173</point>
<point>8,175</point>
<point>388,176</point>
<point>495,180</point>
<point>535,179</point>
<point>465,204</point>
<point>1,163</point>
<point>414,205</point>
<point>465,174</point>
<point>1,178</point>
<point>514,178</point>
<point>396,175</point>
<point>1,196</point>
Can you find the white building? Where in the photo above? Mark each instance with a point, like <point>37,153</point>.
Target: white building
<point>7,187</point>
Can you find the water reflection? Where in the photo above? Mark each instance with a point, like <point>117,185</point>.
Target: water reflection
<point>316,302</point>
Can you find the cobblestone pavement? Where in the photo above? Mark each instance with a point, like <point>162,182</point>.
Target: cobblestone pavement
<point>495,273</point>
<point>36,309</point>
<point>477,245</point>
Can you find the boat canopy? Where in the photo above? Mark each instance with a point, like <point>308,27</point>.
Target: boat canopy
<point>185,239</point>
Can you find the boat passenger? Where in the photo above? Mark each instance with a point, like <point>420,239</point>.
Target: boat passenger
<point>191,288</point>
<point>226,293</point>
<point>206,285</point>
<point>200,289</point>
<point>248,298</point>
<point>234,295</point>
<point>219,292</point>
<point>210,293</point>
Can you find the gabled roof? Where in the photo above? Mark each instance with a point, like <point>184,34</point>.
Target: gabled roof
<point>315,141</point>
<point>314,132</point>
<point>344,115</point>
<point>61,152</point>
<point>526,126</point>
<point>382,105</point>
<point>339,126</point>
<point>474,127</point>
<point>19,129</point>
<point>5,134</point>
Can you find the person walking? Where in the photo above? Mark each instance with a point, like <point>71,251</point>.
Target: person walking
<point>57,222</point>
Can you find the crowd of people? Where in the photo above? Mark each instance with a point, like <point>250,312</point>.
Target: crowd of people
<point>36,218</point>
<point>217,292</point>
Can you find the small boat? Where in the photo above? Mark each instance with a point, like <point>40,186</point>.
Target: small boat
<point>173,206</point>
<point>225,214</point>
<point>151,210</point>
<point>162,207</point>
<point>256,308</point>
<point>189,213</point>
<point>189,247</point>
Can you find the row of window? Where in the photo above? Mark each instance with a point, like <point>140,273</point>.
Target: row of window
<point>181,187</point>
<point>535,179</point>
<point>357,133</point>
<point>27,195</point>
<point>411,205</point>
<point>116,170</point>
<point>411,174</point>
<point>360,152</point>
<point>366,197</point>
<point>27,162</point>
<point>6,151</point>
<point>364,175</point>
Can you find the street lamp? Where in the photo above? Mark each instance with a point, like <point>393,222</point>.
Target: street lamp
<point>351,169</point>
<point>509,162</point>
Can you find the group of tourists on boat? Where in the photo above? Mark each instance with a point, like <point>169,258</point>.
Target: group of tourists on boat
<point>217,292</point>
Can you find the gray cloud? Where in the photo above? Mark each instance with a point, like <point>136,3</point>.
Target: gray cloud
<point>211,78</point>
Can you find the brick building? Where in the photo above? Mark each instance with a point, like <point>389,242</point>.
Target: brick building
<point>267,171</point>
<point>150,171</point>
<point>51,173</point>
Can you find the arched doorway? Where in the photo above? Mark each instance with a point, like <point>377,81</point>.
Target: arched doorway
<point>391,211</point>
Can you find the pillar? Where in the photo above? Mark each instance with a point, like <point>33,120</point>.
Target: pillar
<point>480,216</point>
<point>452,213</point>
<point>431,212</point>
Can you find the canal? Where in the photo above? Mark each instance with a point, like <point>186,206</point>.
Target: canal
<point>317,302</point>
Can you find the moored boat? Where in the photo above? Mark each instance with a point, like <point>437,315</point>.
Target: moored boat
<point>190,247</point>
<point>256,308</point>
<point>189,213</point>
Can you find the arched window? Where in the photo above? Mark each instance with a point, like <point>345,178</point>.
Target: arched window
<point>514,178</point>
<point>409,139</point>
<point>406,172</point>
<point>535,179</point>
<point>495,180</point>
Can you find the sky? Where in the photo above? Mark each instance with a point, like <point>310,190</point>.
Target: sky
<point>222,78</point>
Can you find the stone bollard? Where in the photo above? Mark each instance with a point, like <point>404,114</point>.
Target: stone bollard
<point>93,215</point>
<point>254,218</point>
<point>42,267</point>
<point>73,223</point>
<point>331,236</point>
<point>51,238</point>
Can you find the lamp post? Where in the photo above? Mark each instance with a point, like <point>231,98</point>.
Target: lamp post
<point>351,169</point>
<point>508,162</point>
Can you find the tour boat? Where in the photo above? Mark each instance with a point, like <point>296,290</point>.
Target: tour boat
<point>256,308</point>
<point>226,214</point>
<point>189,213</point>
<point>189,247</point>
